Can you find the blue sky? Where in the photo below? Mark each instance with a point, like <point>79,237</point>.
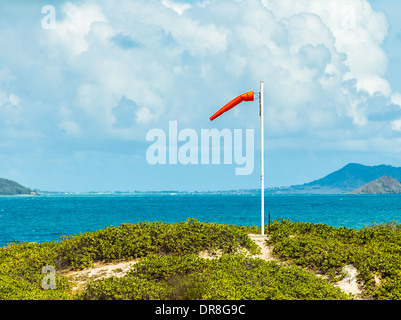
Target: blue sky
<point>76,101</point>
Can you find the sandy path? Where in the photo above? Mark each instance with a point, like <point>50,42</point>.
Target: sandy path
<point>349,284</point>
<point>261,242</point>
<point>99,271</point>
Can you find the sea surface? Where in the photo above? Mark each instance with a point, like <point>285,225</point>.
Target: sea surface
<point>46,218</point>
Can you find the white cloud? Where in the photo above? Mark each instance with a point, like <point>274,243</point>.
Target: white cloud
<point>71,32</point>
<point>396,125</point>
<point>14,100</point>
<point>322,62</point>
<point>177,7</point>
<point>144,116</point>
<point>306,53</point>
<point>374,85</point>
<point>396,99</point>
<point>327,87</point>
<point>358,31</point>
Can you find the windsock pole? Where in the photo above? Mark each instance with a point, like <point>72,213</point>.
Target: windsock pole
<point>262,160</point>
<point>249,96</point>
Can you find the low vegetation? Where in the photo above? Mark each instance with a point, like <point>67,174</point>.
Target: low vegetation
<point>170,268</point>
<point>130,241</point>
<point>229,277</point>
<point>375,251</point>
<point>9,187</point>
<point>21,263</point>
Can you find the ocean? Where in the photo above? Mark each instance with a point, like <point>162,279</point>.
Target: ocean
<point>46,218</point>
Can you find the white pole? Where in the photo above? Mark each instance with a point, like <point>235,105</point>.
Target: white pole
<point>262,164</point>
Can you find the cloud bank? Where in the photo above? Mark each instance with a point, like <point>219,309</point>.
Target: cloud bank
<point>112,70</point>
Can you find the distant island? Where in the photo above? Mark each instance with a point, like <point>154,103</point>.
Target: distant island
<point>382,185</point>
<point>354,178</point>
<point>9,188</point>
<point>346,180</point>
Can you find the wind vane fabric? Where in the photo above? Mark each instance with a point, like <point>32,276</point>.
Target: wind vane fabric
<point>243,97</point>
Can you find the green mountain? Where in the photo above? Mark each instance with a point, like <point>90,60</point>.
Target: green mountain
<point>347,179</point>
<point>382,185</point>
<point>355,175</point>
<point>9,187</point>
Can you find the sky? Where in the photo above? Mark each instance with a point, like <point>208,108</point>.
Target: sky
<point>83,84</point>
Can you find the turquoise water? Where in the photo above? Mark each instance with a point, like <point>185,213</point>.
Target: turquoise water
<point>47,218</point>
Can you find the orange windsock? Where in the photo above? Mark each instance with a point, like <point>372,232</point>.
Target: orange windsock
<point>243,97</point>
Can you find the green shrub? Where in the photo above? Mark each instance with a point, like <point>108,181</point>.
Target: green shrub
<point>230,277</point>
<point>170,268</point>
<point>126,288</point>
<point>374,250</point>
<point>130,241</point>
<point>21,263</point>
<point>21,272</point>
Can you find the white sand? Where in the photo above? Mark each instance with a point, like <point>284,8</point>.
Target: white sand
<point>349,284</point>
<point>261,242</point>
<point>99,271</point>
